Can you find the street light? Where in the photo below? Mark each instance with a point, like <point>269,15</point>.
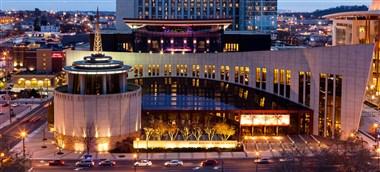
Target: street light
<point>2,155</point>
<point>135,158</point>
<point>23,134</point>
<point>257,160</point>
<point>378,156</point>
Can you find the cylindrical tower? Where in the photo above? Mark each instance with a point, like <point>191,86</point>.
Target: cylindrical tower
<point>97,107</point>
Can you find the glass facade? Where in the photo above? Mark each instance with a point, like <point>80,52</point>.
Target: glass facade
<point>304,86</point>
<point>330,94</point>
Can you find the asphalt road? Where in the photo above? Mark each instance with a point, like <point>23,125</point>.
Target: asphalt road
<point>29,122</point>
<point>235,165</point>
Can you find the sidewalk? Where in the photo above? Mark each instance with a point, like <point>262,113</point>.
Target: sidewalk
<point>34,149</point>
<point>19,115</point>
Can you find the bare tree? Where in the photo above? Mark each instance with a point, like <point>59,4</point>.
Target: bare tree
<point>197,133</point>
<point>148,133</point>
<point>89,137</point>
<point>210,133</point>
<point>185,132</point>
<point>172,132</point>
<point>59,140</point>
<point>159,130</point>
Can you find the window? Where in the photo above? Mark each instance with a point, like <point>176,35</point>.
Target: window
<point>138,70</point>
<point>287,83</point>
<point>304,88</point>
<point>258,78</point>
<point>275,81</point>
<point>153,70</point>
<point>330,94</point>
<point>168,70</point>
<point>181,70</point>
<point>231,47</point>
<point>224,73</point>
<point>196,70</point>
<point>209,71</point>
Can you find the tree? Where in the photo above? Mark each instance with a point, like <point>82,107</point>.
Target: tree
<point>148,133</point>
<point>172,132</point>
<point>224,130</point>
<point>159,130</point>
<point>210,133</point>
<point>89,137</point>
<point>186,133</point>
<point>197,133</point>
<point>59,141</point>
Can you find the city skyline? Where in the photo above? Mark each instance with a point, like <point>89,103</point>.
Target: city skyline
<point>109,5</point>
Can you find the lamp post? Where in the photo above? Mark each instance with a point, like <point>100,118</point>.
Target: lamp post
<point>257,160</point>
<point>23,134</point>
<point>135,159</point>
<point>2,155</point>
<point>378,157</point>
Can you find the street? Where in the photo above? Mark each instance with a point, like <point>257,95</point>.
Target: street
<point>29,122</point>
<point>241,165</point>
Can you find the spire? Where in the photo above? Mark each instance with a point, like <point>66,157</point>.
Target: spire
<point>98,38</point>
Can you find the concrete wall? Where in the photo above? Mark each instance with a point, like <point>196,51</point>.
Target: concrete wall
<point>109,115</point>
<point>351,62</point>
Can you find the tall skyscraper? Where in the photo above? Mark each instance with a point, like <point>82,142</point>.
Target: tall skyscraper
<point>246,15</point>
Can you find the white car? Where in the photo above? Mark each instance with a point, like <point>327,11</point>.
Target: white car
<point>173,163</point>
<point>143,163</point>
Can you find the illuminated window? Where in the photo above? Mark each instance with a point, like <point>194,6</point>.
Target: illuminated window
<point>231,47</point>
<point>209,71</point>
<point>196,71</point>
<point>168,70</point>
<point>261,78</point>
<point>181,70</point>
<point>275,81</point>
<point>138,70</point>
<point>153,70</point>
<point>224,73</point>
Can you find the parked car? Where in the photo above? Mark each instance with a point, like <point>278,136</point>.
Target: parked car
<point>85,163</point>
<point>143,163</point>
<point>209,163</point>
<point>57,163</point>
<point>262,161</point>
<point>107,163</point>
<point>14,105</point>
<point>173,163</point>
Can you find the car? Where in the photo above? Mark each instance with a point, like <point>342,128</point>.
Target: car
<point>56,163</point>
<point>85,163</point>
<point>288,159</point>
<point>14,105</point>
<point>209,163</point>
<point>173,163</point>
<point>107,163</point>
<point>143,163</point>
<point>5,105</point>
<point>87,156</point>
<point>262,161</point>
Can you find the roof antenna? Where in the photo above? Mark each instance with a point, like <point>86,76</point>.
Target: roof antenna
<point>97,38</point>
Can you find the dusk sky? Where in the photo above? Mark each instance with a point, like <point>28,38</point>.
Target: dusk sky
<point>109,5</point>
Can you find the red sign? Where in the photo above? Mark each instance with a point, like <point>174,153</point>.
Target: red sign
<point>57,55</point>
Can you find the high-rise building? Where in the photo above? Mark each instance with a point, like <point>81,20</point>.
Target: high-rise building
<point>246,15</point>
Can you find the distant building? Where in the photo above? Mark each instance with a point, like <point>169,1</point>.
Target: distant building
<point>361,27</point>
<point>251,15</point>
<point>184,36</point>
